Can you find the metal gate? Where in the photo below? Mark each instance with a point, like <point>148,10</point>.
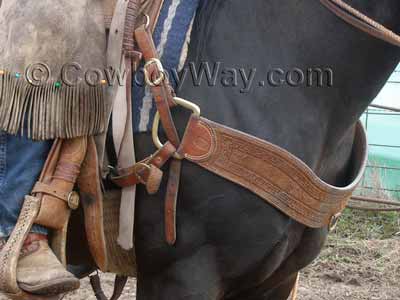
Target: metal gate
<point>382,178</point>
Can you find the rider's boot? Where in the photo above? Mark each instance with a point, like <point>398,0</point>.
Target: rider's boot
<point>40,272</point>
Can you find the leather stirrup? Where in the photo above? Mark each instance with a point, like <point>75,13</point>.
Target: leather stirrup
<point>119,285</point>
<point>51,196</point>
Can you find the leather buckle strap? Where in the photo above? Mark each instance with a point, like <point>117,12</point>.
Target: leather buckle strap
<point>147,171</point>
<point>146,174</point>
<point>171,199</point>
<point>162,92</point>
<point>70,197</point>
<point>183,103</point>
<point>160,70</point>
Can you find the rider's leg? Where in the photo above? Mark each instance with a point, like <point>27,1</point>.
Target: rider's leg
<point>21,162</point>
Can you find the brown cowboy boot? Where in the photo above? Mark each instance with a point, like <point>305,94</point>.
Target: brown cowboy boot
<point>39,271</point>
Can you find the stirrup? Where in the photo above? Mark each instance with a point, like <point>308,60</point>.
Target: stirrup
<point>38,209</point>
<point>9,256</point>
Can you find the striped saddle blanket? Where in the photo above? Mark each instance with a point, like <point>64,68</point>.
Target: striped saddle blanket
<point>172,37</point>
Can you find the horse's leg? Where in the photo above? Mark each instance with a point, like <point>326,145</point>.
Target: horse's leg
<point>264,292</point>
<point>191,278</point>
<point>281,292</point>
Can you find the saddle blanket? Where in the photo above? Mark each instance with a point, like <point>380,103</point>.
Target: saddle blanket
<point>171,36</point>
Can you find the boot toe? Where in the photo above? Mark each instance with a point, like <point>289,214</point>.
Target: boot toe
<point>41,273</point>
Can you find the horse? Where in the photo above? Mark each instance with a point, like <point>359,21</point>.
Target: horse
<point>231,245</point>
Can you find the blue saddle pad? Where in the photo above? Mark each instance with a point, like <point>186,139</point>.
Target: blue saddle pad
<point>171,37</point>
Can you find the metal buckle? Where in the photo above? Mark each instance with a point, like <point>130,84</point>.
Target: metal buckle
<point>73,200</point>
<point>334,221</point>
<point>161,70</point>
<point>156,123</point>
<point>147,24</point>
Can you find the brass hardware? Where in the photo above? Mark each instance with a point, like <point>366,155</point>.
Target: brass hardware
<point>160,68</point>
<point>147,24</point>
<point>181,102</point>
<point>73,200</point>
<point>334,221</point>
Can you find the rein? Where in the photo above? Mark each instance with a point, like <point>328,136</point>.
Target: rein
<point>359,20</point>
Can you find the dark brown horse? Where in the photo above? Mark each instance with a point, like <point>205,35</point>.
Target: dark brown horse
<point>231,244</point>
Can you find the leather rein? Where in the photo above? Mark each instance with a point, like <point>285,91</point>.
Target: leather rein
<point>359,20</point>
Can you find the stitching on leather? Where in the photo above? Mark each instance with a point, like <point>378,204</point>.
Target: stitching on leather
<point>211,151</point>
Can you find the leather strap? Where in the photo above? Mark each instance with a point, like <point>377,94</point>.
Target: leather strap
<point>109,8</point>
<point>124,147</point>
<point>132,12</point>
<point>44,188</point>
<point>274,174</point>
<point>164,98</point>
<point>150,12</point>
<point>361,21</point>
<point>119,285</point>
<point>122,116</point>
<point>114,61</point>
<point>91,198</point>
<point>151,8</point>
<point>171,199</point>
<point>139,172</point>
<point>51,189</point>
<point>67,171</point>
<point>162,92</point>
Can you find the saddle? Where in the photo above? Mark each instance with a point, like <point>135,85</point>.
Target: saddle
<point>78,158</point>
<point>69,195</point>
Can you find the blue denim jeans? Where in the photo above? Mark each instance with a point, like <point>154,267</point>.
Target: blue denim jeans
<point>21,161</point>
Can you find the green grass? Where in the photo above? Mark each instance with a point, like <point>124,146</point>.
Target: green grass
<point>362,225</point>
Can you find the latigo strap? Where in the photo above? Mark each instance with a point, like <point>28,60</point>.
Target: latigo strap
<point>163,95</point>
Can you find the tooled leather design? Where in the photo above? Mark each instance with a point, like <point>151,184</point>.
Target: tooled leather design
<point>199,142</point>
<point>232,158</point>
<point>296,195</point>
<point>267,170</point>
<point>9,255</point>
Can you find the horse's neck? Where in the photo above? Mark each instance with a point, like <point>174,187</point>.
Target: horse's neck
<point>287,35</point>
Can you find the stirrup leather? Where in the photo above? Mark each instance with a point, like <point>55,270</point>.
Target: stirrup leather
<point>52,195</point>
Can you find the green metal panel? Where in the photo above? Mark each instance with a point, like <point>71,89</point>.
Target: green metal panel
<point>383,128</point>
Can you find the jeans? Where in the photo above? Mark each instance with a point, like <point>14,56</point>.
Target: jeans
<point>21,162</point>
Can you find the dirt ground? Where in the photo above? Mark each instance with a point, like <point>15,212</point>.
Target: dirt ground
<point>347,269</point>
<point>356,270</point>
